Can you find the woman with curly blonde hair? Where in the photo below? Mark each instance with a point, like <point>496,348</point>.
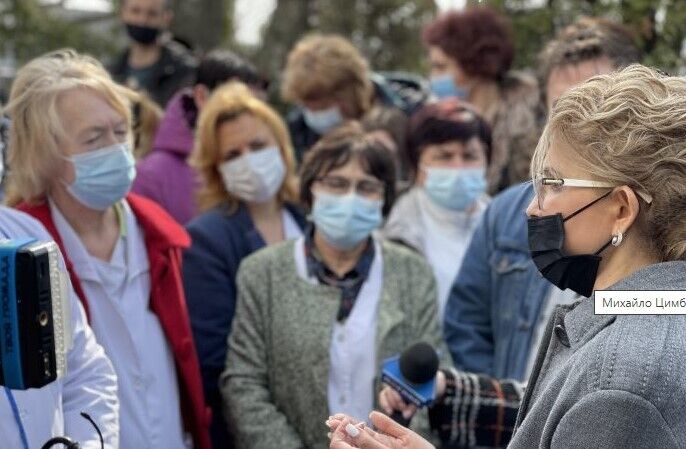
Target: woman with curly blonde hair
<point>610,214</point>
<point>608,222</point>
<point>244,156</point>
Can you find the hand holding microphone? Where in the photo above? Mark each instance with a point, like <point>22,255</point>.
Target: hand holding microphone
<point>390,401</point>
<point>412,380</point>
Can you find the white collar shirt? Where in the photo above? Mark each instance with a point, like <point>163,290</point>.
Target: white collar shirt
<point>118,295</point>
<point>447,235</point>
<point>352,353</point>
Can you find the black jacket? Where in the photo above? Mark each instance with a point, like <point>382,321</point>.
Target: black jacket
<point>175,69</point>
<point>302,136</point>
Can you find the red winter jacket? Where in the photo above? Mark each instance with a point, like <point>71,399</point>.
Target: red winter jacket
<point>164,240</point>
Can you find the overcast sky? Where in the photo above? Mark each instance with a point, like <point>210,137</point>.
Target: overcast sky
<point>252,14</point>
<point>87,5</point>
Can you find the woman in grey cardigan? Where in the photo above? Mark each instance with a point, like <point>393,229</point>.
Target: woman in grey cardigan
<point>317,316</point>
<point>609,214</point>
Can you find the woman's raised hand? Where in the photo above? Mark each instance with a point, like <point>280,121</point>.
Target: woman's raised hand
<point>349,434</point>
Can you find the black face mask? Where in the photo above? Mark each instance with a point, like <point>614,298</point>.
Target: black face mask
<point>546,240</point>
<point>142,34</point>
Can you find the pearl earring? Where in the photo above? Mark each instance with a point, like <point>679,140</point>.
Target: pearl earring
<point>617,239</point>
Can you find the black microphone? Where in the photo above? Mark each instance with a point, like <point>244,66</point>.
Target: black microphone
<point>413,375</point>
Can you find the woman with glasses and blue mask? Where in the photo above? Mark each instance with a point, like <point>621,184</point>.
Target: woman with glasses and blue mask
<point>72,169</point>
<point>245,158</point>
<point>449,146</point>
<point>317,316</point>
<point>608,222</point>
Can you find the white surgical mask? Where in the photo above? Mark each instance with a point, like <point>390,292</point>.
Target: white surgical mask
<point>323,120</point>
<point>256,176</point>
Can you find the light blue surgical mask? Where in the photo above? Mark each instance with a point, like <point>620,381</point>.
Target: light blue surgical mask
<point>455,188</point>
<point>345,220</point>
<point>443,86</point>
<point>323,120</point>
<point>103,176</point>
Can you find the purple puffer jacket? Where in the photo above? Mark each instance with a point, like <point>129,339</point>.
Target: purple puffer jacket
<point>164,175</point>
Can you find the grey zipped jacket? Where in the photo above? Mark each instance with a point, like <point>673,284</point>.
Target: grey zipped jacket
<point>610,381</point>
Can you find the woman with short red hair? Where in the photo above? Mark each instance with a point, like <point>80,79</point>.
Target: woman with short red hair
<point>470,53</point>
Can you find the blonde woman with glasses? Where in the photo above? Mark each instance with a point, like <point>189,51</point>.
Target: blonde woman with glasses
<point>609,214</point>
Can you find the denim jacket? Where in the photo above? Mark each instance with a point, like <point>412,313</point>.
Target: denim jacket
<point>498,295</point>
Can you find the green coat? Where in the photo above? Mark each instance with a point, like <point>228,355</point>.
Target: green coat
<point>277,367</point>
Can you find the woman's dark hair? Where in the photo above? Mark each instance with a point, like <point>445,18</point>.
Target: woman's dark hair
<point>216,68</point>
<point>478,39</point>
<point>219,66</point>
<point>337,148</point>
<point>445,121</point>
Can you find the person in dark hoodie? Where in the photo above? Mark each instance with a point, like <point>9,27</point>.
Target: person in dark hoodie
<point>165,175</point>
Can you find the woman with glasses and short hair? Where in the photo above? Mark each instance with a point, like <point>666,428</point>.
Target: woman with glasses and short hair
<point>317,316</point>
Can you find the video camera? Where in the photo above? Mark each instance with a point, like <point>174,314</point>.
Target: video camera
<point>35,326</point>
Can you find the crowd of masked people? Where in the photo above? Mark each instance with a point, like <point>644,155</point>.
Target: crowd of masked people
<point>238,277</point>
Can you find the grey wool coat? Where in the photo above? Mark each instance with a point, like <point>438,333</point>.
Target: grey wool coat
<point>610,381</point>
<point>275,383</point>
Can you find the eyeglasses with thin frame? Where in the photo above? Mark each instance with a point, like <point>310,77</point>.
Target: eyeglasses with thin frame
<point>337,185</point>
<point>544,185</point>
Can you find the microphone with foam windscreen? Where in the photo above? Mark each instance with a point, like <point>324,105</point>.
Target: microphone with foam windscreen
<point>413,375</point>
